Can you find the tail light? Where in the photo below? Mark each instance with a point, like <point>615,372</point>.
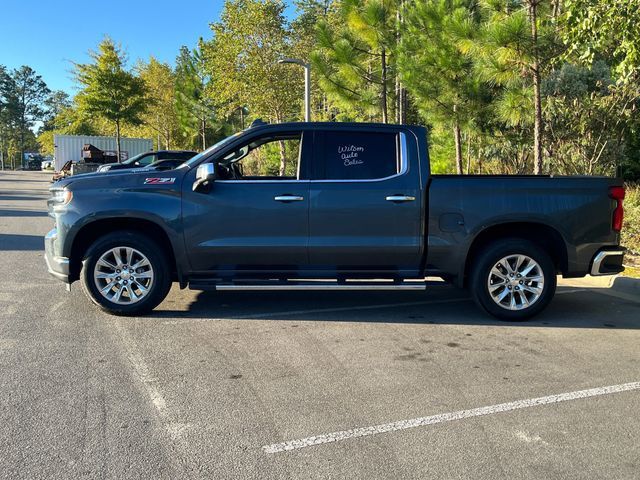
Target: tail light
<point>617,193</point>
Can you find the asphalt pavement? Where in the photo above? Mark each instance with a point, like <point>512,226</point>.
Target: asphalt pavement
<point>280,385</point>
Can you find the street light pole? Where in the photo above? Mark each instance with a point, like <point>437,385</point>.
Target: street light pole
<point>307,84</point>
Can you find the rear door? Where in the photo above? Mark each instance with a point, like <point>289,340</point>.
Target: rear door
<point>366,202</point>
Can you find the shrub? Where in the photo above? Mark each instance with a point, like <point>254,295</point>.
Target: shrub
<point>631,227</point>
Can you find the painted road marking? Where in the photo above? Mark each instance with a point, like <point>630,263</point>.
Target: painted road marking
<point>446,417</point>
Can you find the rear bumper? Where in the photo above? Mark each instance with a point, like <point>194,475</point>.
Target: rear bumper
<point>57,266</point>
<point>608,262</point>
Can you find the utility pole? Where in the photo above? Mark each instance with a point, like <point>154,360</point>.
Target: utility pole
<point>307,84</point>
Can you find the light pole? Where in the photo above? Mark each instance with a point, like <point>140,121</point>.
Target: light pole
<point>307,84</point>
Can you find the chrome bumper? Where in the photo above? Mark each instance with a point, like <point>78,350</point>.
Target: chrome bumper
<point>607,262</point>
<point>57,266</point>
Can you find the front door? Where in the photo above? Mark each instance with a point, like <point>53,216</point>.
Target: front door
<point>255,215</point>
<point>366,203</point>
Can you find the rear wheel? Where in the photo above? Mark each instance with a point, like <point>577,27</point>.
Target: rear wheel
<point>513,279</point>
<point>126,273</point>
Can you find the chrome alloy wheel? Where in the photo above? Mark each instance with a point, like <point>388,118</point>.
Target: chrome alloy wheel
<point>123,275</point>
<point>516,282</point>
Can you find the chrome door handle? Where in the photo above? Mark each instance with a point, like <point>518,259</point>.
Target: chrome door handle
<point>288,198</point>
<point>400,198</point>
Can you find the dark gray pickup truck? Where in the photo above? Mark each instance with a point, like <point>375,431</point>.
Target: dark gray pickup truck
<point>329,206</point>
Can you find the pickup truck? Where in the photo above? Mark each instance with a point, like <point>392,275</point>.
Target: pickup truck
<point>338,206</point>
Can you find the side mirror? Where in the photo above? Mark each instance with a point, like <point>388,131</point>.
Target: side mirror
<point>205,175</point>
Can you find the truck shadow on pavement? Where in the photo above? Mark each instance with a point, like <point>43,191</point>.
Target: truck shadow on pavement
<point>15,242</point>
<point>572,308</point>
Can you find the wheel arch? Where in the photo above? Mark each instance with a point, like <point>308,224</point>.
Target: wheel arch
<point>543,235</point>
<point>92,231</point>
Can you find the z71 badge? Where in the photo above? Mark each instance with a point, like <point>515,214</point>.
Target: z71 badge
<point>159,180</point>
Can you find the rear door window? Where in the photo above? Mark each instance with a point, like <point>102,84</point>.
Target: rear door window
<point>357,155</point>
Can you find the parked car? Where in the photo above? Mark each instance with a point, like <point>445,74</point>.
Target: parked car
<point>46,165</point>
<point>357,208</point>
<point>148,158</point>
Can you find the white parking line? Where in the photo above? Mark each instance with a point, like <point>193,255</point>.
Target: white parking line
<point>446,417</point>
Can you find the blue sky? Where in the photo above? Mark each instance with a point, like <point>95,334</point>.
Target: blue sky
<point>49,34</point>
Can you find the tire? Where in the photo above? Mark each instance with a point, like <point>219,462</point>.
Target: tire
<point>145,287</point>
<point>522,297</point>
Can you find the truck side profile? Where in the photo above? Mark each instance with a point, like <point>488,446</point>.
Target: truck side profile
<point>348,206</point>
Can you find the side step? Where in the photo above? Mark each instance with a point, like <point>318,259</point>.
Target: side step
<point>310,285</point>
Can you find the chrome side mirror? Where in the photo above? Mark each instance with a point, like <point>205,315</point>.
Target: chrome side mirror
<point>205,175</point>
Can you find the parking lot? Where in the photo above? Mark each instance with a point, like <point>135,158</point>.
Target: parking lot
<point>306,384</point>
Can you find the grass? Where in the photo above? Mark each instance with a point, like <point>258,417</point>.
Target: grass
<point>631,271</point>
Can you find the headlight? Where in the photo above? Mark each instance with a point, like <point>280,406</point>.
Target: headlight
<point>104,168</point>
<point>62,197</point>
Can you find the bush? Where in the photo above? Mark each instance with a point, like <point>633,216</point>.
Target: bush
<point>631,227</point>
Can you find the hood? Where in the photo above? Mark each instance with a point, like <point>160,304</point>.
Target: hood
<point>122,178</point>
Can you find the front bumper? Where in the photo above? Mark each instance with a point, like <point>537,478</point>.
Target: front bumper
<point>57,266</point>
<point>608,262</point>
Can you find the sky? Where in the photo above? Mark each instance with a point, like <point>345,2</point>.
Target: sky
<point>49,34</point>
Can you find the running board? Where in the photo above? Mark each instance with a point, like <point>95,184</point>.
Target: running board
<point>309,286</point>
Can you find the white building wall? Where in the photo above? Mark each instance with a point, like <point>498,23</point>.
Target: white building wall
<point>69,147</point>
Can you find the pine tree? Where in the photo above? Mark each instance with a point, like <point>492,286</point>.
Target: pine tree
<point>517,43</point>
<point>194,108</point>
<point>356,57</point>
<point>437,74</point>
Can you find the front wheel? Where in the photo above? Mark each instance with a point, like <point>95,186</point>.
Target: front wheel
<point>513,279</point>
<point>126,273</point>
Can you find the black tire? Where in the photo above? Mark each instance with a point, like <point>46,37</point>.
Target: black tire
<point>159,287</point>
<point>489,257</point>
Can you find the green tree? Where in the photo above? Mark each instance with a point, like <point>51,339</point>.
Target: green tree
<point>242,62</point>
<point>55,104</point>
<point>587,116</point>
<point>28,96</point>
<point>161,98</point>
<point>303,33</point>
<point>516,45</point>
<point>194,109</point>
<point>109,90</point>
<point>355,57</point>
<point>604,28</point>
<point>5,112</point>
<point>437,74</point>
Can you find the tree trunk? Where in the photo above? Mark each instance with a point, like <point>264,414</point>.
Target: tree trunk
<point>468,153</point>
<point>537,100</point>
<point>385,118</point>
<point>22,143</point>
<point>283,158</point>
<point>204,134</point>
<point>118,141</point>
<point>458,140</point>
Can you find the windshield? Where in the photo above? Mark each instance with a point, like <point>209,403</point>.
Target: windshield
<point>133,159</point>
<point>221,143</point>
